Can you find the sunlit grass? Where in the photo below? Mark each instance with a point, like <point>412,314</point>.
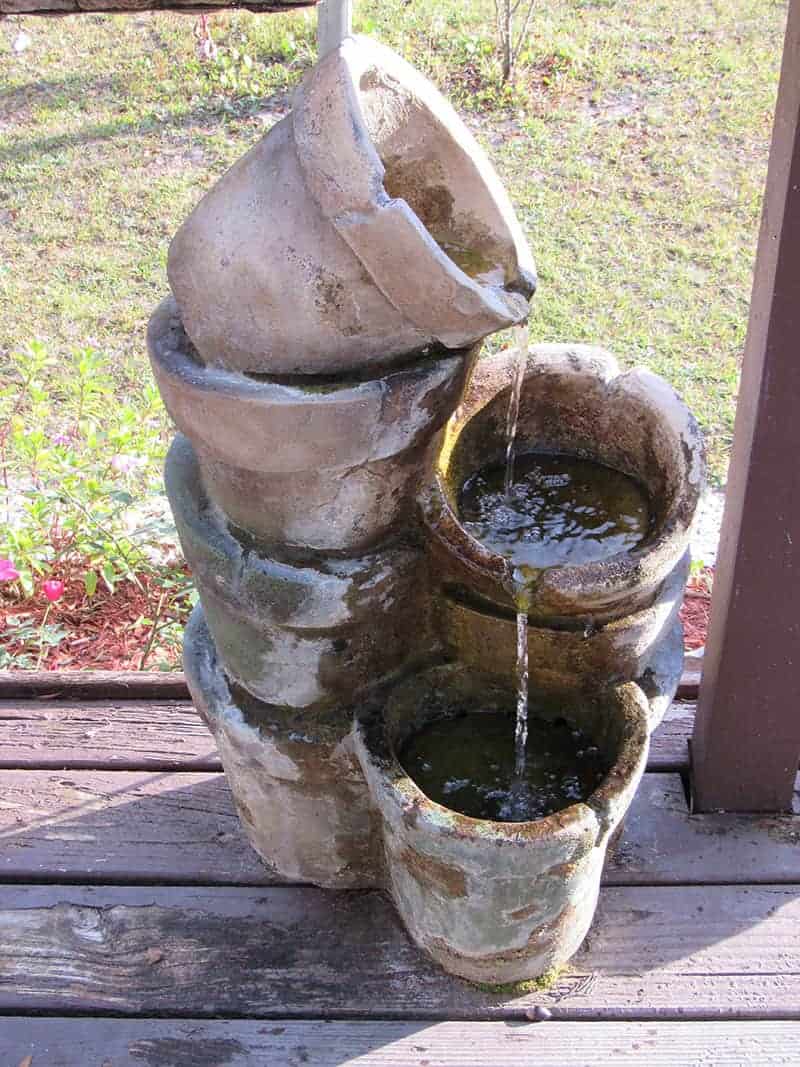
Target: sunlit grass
<point>633,144</point>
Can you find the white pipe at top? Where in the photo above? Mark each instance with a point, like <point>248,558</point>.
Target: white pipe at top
<point>334,23</point>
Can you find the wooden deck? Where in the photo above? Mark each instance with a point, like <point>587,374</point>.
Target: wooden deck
<point>138,928</point>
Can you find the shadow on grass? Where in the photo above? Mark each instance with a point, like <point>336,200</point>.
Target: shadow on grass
<point>74,89</point>
<point>206,117</point>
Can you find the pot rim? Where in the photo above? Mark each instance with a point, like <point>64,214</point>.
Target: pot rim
<point>354,200</point>
<point>193,392</point>
<point>595,811</point>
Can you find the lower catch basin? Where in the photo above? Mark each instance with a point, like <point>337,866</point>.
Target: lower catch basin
<point>562,765</point>
<point>488,899</point>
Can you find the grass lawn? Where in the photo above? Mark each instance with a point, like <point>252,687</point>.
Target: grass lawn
<point>633,144</point>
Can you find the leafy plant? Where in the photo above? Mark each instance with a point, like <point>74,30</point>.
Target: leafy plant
<point>31,641</point>
<point>81,494</point>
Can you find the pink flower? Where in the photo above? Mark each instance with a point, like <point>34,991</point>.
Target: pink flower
<point>126,464</point>
<point>8,572</point>
<point>53,589</point>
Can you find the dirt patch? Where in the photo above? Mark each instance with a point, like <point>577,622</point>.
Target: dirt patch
<point>696,609</point>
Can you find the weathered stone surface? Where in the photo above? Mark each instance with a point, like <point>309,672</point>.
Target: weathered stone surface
<point>574,400</point>
<point>307,466</point>
<point>334,509</point>
<point>498,902</point>
<point>361,205</point>
<point>305,635</point>
<point>563,660</point>
<point>298,787</point>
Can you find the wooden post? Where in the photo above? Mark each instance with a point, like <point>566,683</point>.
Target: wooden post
<point>122,7</point>
<point>334,23</point>
<point>747,735</point>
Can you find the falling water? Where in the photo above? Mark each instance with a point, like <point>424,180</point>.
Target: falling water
<point>512,418</point>
<point>521,733</point>
<point>512,415</point>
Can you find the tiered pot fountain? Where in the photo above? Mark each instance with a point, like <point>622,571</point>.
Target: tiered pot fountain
<point>330,296</point>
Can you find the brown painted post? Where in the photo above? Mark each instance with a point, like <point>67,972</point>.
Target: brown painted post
<point>747,736</point>
<point>121,7</point>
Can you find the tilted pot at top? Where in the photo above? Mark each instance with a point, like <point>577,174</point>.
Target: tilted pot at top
<point>574,401</point>
<point>364,226</point>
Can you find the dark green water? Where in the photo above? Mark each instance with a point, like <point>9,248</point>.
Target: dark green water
<point>560,510</point>
<point>467,763</point>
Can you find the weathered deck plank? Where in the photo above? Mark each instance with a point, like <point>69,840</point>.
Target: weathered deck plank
<point>290,1043</point>
<point>118,734</point>
<point>93,685</point>
<point>710,952</point>
<point>669,744</point>
<point>145,827</point>
<point>663,844</point>
<point>140,734</point>
<point>123,826</point>
<point>155,685</point>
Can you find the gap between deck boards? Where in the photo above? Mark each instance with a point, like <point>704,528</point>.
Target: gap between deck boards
<point>153,685</point>
<point>160,736</point>
<point>62,1042</point>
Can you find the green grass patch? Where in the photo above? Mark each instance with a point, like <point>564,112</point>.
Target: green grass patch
<point>633,143</point>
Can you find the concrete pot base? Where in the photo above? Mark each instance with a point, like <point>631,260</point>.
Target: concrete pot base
<point>299,790</point>
<point>491,901</point>
<point>324,800</point>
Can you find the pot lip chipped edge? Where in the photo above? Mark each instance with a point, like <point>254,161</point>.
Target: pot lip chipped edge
<point>359,207</point>
<point>403,792</point>
<point>651,560</point>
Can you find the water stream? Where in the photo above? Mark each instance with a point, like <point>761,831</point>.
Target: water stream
<point>521,340</point>
<point>521,729</point>
<point>512,415</point>
<point>557,510</point>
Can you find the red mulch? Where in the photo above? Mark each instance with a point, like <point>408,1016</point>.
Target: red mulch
<point>104,632</point>
<point>696,609</point>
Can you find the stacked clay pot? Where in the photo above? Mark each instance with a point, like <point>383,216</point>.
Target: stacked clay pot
<point>614,620</point>
<point>330,296</point>
<point>321,332</point>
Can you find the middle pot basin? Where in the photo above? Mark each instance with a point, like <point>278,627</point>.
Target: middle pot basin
<point>575,402</point>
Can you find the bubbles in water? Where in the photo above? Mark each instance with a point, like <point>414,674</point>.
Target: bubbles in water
<point>559,510</point>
